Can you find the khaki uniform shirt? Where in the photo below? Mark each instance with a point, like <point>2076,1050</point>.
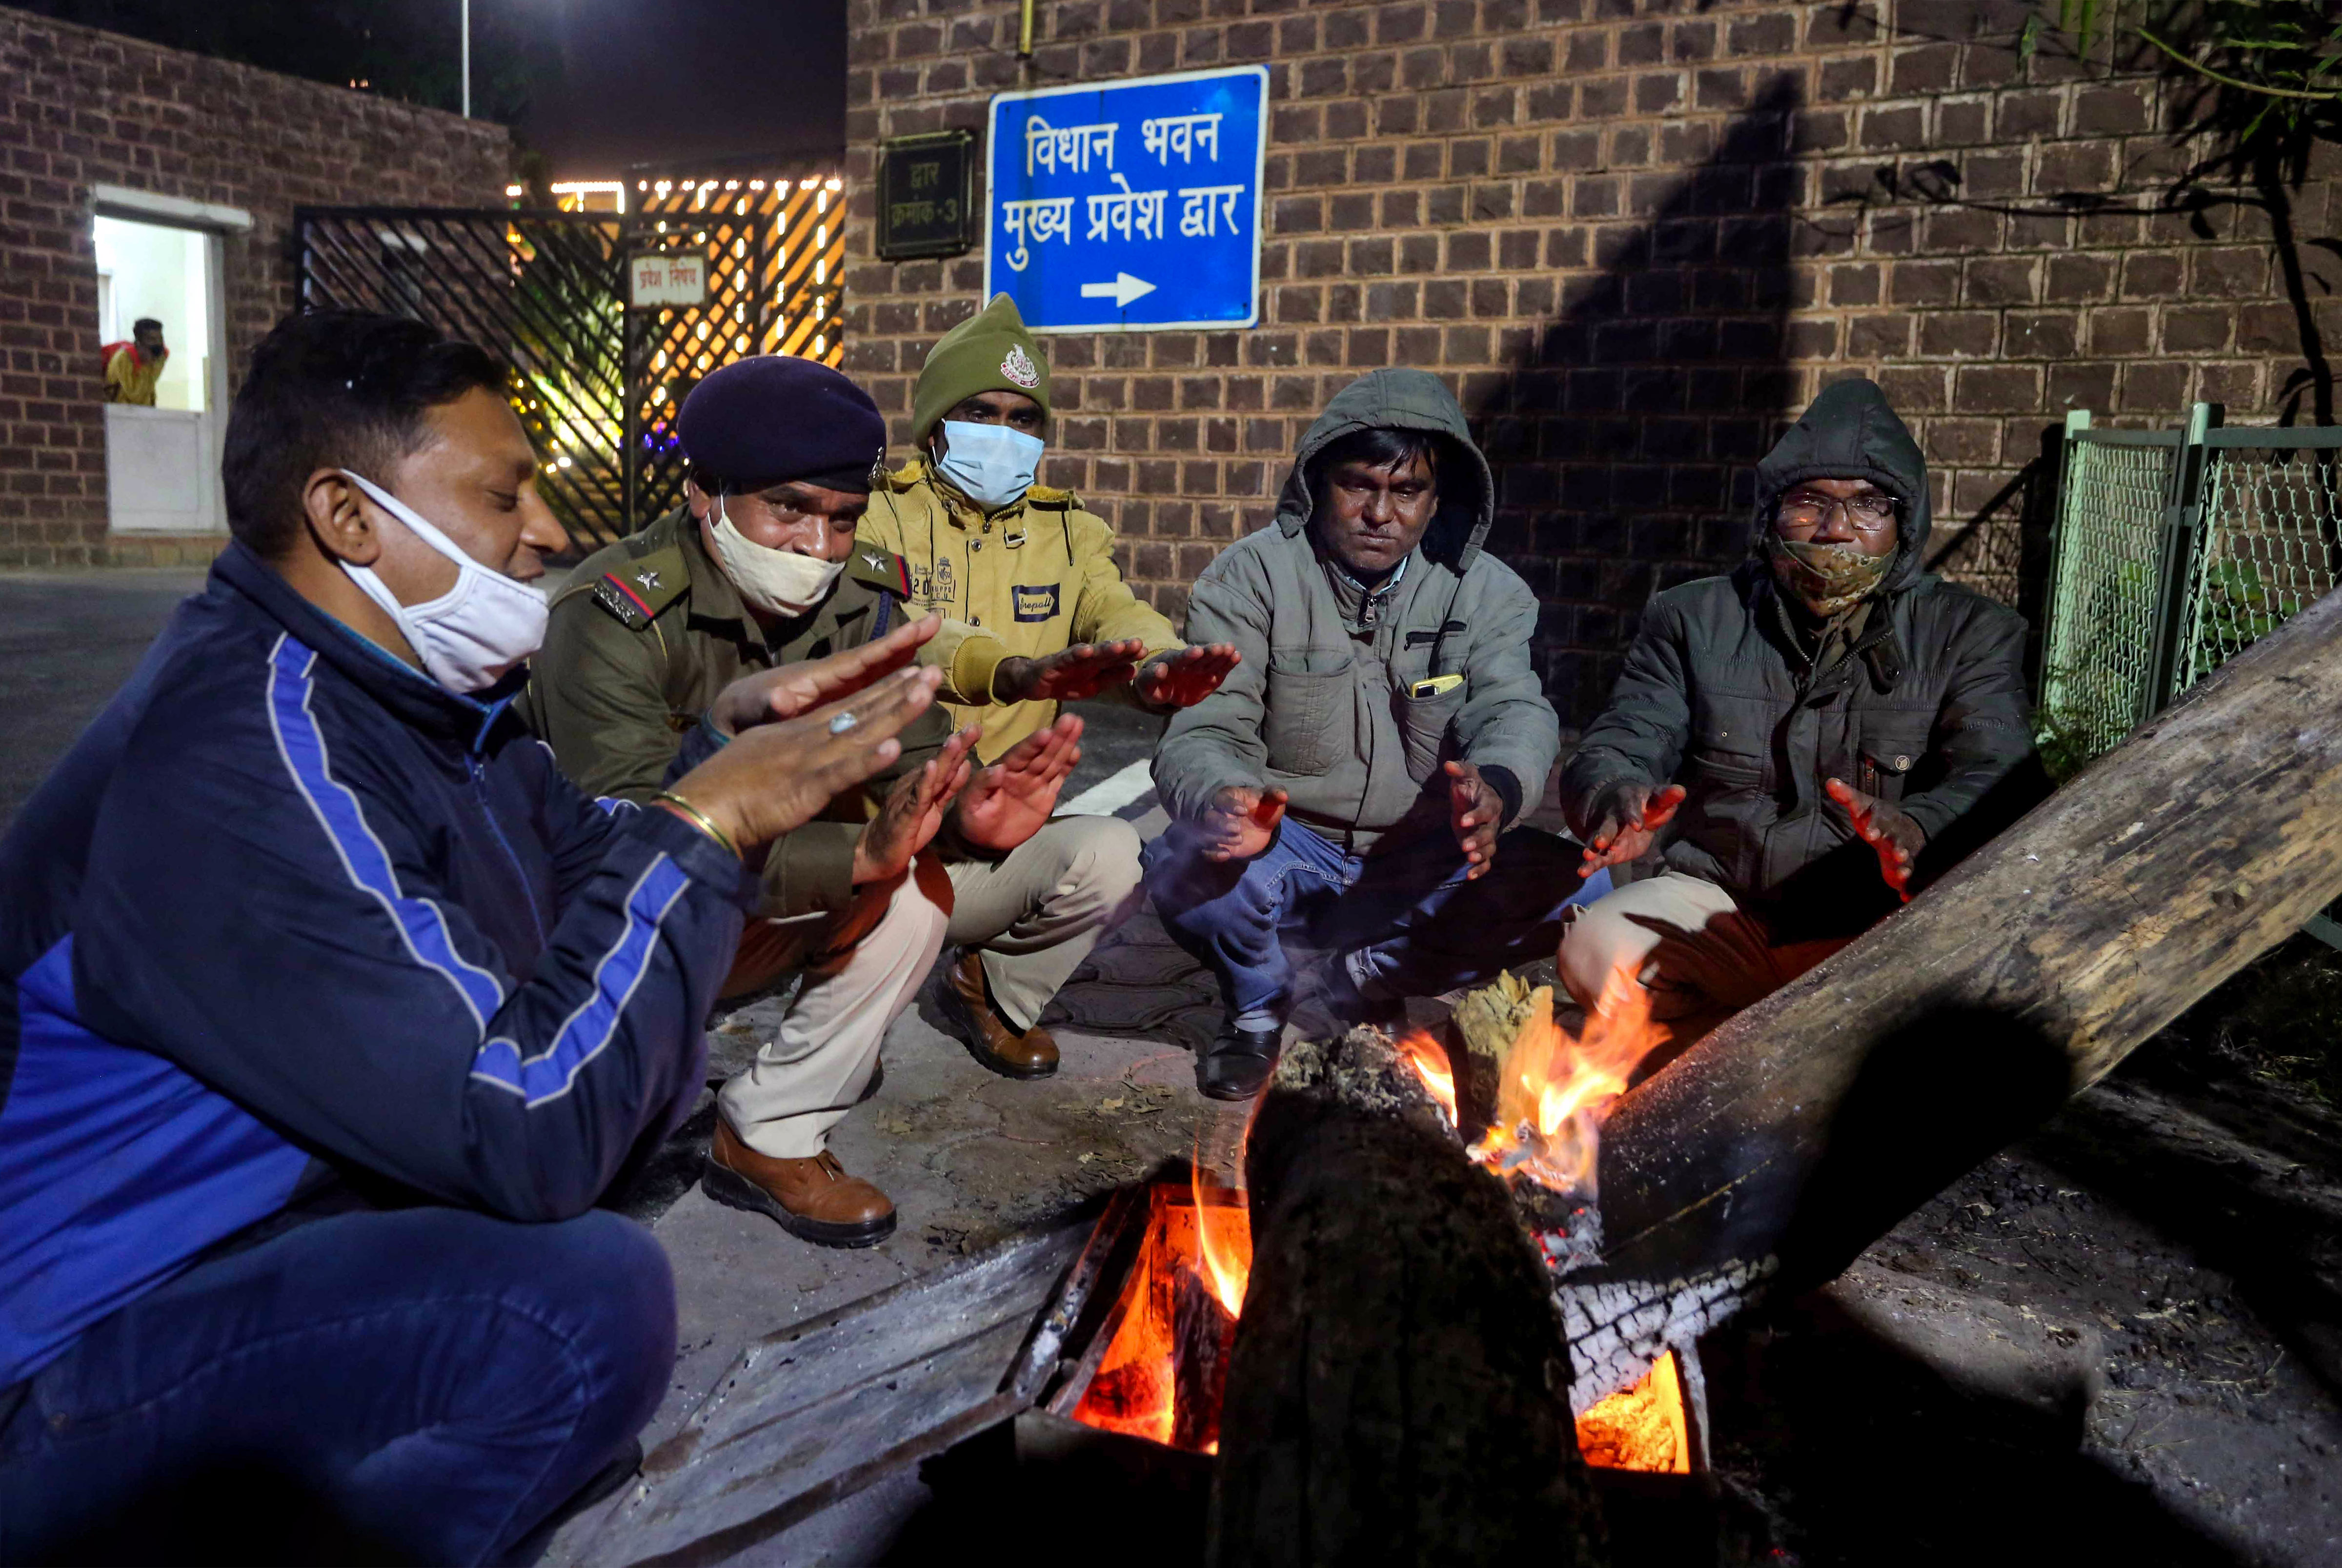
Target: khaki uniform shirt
<point>648,631</point>
<point>1038,576</point>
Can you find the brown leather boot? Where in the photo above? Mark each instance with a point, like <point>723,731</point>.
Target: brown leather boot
<point>967,1007</point>
<point>813,1199</point>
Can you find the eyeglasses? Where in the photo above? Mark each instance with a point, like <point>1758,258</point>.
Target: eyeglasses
<point>1868,513</point>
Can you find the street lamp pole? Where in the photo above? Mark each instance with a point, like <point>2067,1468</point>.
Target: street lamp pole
<point>466,12</point>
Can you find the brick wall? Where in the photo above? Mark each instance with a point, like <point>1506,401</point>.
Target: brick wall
<point>1632,236</point>
<point>83,107</point>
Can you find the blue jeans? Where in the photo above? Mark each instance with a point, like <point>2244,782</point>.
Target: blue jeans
<point>1404,920</point>
<point>423,1385</point>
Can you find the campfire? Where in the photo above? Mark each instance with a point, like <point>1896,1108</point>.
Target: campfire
<point>1157,1359</point>
<point>1163,1347</point>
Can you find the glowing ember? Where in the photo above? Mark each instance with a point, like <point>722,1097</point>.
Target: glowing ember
<point>1640,1428</point>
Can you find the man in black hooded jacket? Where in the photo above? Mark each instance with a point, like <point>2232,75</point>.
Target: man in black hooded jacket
<point>1807,738</point>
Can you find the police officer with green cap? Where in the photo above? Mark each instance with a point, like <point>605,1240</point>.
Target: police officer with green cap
<point>760,571</point>
<point>1038,612</point>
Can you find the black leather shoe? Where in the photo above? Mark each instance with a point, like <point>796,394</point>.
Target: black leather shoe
<point>1237,1064</point>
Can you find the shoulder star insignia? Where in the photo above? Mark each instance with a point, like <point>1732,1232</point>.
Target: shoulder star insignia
<point>876,563</point>
<point>647,579</point>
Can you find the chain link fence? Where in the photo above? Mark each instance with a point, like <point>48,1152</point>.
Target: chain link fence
<point>2097,664</point>
<point>2176,549</point>
<point>2266,542</point>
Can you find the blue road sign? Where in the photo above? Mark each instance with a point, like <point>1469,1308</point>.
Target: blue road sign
<point>1129,206</point>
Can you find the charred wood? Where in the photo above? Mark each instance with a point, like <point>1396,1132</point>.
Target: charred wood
<point>1398,1391</point>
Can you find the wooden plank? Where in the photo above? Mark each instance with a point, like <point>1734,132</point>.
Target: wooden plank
<point>815,1413</point>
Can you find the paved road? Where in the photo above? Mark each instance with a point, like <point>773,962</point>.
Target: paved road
<point>69,639</point>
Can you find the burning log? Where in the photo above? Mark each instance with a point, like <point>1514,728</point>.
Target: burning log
<point>1398,1391</point>
<point>1806,1126</point>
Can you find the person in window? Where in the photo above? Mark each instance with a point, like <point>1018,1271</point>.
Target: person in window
<point>1806,739</point>
<point>133,368</point>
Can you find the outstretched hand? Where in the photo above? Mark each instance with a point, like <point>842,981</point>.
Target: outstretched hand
<point>1895,836</point>
<point>770,695</point>
<point>1184,678</point>
<point>1005,803</point>
<point>1241,823</point>
<point>912,811</point>
<point>1476,811</point>
<point>1627,828</point>
<point>1084,670</point>
<point>778,777</point>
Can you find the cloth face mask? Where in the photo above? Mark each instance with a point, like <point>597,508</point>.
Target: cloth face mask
<point>470,636</point>
<point>778,582</point>
<point>1827,579</point>
<point>991,464</point>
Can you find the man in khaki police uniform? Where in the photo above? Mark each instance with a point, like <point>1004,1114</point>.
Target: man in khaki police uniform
<point>1023,562</point>
<point>760,570</point>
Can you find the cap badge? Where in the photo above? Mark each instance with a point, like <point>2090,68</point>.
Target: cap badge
<point>1017,368</point>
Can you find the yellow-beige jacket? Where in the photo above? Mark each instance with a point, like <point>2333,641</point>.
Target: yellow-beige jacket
<point>1040,575</point>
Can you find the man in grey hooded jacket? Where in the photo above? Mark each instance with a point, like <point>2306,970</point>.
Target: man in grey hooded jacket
<point>1808,738</point>
<point>1355,780</point>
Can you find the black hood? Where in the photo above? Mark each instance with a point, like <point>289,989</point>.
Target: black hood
<point>1850,433</point>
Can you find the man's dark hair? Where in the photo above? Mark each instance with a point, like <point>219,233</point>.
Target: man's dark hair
<point>142,324</point>
<point>1379,447</point>
<point>335,389</point>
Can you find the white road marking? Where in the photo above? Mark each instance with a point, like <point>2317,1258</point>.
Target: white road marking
<point>1110,795</point>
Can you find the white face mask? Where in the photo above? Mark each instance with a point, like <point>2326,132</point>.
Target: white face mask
<point>778,582</point>
<point>991,464</point>
<point>471,637</point>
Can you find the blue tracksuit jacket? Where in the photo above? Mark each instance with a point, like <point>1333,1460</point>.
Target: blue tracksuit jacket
<point>290,918</point>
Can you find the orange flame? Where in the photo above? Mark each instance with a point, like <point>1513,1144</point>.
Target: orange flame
<point>1224,1236</point>
<point>1550,1105</point>
<point>1431,1064</point>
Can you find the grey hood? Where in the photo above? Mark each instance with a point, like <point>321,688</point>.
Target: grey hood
<point>1400,399</point>
<point>1850,431</point>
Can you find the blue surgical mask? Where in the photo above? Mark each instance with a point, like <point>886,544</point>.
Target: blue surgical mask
<point>991,464</point>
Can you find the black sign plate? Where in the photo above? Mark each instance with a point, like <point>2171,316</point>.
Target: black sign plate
<point>923,196</point>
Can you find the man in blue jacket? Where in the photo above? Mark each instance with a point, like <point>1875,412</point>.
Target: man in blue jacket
<point>330,1010</point>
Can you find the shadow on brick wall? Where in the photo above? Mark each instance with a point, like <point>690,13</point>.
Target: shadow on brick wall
<point>1623,436</point>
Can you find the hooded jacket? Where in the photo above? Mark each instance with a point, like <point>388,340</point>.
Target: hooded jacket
<point>1330,714</point>
<point>1928,711</point>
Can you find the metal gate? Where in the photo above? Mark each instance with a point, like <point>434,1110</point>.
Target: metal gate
<point>596,382</point>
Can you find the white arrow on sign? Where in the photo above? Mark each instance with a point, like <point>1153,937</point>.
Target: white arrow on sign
<point>1122,290</point>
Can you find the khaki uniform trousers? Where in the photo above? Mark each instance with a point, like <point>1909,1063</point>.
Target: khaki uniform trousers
<point>1036,914</point>
<point>1688,944</point>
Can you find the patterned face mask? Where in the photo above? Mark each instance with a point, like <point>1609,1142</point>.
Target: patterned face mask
<point>1827,579</point>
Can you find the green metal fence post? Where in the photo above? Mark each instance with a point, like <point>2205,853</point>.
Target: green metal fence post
<point>2181,524</point>
<point>2077,421</point>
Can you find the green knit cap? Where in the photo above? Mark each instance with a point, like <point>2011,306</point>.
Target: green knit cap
<point>989,352</point>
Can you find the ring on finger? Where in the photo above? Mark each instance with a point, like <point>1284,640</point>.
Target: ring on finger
<point>841,723</point>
